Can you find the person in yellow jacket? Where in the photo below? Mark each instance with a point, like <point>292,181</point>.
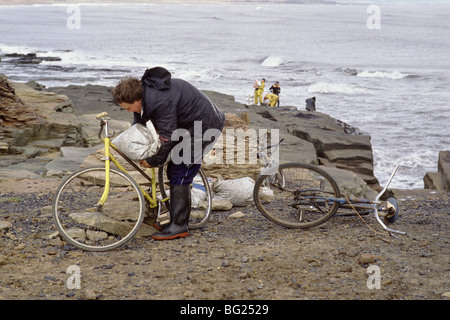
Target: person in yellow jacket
<point>259,90</point>
<point>273,99</point>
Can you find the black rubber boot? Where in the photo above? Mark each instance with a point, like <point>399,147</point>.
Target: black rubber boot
<point>180,211</point>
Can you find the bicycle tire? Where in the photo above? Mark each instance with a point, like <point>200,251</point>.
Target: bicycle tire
<point>201,197</point>
<point>92,227</point>
<point>304,200</point>
<point>277,177</point>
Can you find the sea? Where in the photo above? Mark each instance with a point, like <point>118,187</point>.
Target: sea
<point>383,68</point>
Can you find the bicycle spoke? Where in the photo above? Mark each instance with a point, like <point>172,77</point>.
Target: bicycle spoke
<point>85,223</point>
<point>302,200</point>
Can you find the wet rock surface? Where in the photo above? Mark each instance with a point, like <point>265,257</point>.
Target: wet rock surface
<point>238,255</point>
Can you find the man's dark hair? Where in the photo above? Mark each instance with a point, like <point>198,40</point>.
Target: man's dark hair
<point>129,90</point>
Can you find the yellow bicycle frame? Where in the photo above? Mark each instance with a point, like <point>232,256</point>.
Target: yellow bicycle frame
<point>108,158</point>
<point>102,200</point>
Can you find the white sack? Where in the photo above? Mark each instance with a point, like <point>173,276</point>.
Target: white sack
<point>138,142</point>
<point>238,191</point>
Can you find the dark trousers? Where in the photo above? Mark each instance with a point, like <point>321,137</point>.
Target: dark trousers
<point>182,174</point>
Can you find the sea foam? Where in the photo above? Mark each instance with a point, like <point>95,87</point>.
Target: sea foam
<point>395,75</point>
<point>329,88</point>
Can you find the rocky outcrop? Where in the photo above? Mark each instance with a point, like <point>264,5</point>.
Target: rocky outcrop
<point>34,126</point>
<point>335,143</point>
<point>28,58</point>
<point>13,112</point>
<point>309,137</point>
<point>29,119</point>
<point>439,180</point>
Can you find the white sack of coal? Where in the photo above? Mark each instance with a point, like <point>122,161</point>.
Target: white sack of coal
<point>138,142</point>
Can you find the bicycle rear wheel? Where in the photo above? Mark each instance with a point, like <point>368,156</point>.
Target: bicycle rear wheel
<point>301,199</point>
<point>201,197</point>
<point>89,226</point>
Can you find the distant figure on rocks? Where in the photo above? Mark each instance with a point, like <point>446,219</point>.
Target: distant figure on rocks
<point>259,90</point>
<point>273,99</point>
<point>311,104</point>
<point>275,89</point>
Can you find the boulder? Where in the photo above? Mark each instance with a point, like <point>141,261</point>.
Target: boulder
<point>351,184</point>
<point>439,180</point>
<point>309,137</point>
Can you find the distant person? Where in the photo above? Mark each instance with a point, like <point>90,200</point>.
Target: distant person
<point>259,90</point>
<point>273,99</point>
<point>311,104</point>
<point>256,85</point>
<point>275,89</point>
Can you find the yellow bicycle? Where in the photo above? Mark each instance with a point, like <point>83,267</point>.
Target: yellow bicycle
<point>102,208</point>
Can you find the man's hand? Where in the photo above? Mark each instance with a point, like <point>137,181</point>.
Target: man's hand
<point>144,164</point>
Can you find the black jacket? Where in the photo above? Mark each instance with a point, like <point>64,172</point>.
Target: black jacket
<point>275,89</point>
<point>176,104</point>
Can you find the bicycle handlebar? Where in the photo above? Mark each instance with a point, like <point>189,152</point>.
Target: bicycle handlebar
<point>101,115</point>
<point>103,122</point>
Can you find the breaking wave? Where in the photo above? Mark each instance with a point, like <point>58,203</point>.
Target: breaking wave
<point>343,88</point>
<point>395,75</point>
<point>272,61</point>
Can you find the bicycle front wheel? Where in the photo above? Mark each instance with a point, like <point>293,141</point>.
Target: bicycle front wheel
<point>297,195</point>
<point>89,225</point>
<point>201,197</point>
